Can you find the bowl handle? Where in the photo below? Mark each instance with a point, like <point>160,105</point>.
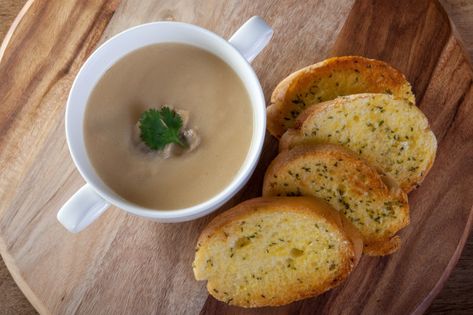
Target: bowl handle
<point>251,37</point>
<point>83,208</point>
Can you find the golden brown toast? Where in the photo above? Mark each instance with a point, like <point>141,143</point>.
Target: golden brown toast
<point>375,205</point>
<point>276,250</point>
<point>391,134</point>
<point>329,79</point>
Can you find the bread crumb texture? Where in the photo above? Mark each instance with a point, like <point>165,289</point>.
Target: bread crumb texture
<point>375,205</point>
<point>271,253</point>
<point>392,135</point>
<point>329,79</point>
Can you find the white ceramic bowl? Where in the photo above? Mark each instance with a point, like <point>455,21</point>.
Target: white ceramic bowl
<point>95,196</point>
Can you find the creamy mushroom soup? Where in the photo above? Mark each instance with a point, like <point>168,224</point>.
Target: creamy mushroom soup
<point>213,104</point>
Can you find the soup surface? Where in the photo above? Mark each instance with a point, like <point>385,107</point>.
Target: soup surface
<point>186,78</point>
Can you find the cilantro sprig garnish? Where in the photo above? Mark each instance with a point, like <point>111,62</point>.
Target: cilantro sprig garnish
<point>159,128</point>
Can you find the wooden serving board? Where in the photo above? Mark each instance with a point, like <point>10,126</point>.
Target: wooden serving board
<point>128,265</point>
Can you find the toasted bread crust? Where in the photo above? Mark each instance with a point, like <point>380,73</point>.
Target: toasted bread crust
<point>311,207</point>
<point>408,182</point>
<point>384,187</point>
<point>383,248</point>
<point>291,138</point>
<point>296,92</point>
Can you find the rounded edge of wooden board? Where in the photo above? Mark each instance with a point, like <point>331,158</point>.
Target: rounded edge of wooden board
<point>424,305</point>
<point>7,258</point>
<point>11,30</point>
<point>21,283</point>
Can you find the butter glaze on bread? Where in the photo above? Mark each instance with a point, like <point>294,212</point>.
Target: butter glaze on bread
<point>375,204</point>
<point>329,79</point>
<point>276,250</point>
<point>391,134</point>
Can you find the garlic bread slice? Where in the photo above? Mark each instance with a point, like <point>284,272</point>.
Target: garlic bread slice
<point>391,134</point>
<point>375,204</point>
<point>329,79</point>
<point>273,251</point>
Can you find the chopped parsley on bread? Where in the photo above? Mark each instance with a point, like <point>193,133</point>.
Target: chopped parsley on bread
<point>275,250</point>
<point>375,204</point>
<point>326,81</point>
<point>391,134</point>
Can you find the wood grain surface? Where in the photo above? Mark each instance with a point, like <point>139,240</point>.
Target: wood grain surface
<point>442,66</point>
<point>461,13</point>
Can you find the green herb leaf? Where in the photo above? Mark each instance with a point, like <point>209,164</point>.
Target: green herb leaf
<point>159,128</point>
